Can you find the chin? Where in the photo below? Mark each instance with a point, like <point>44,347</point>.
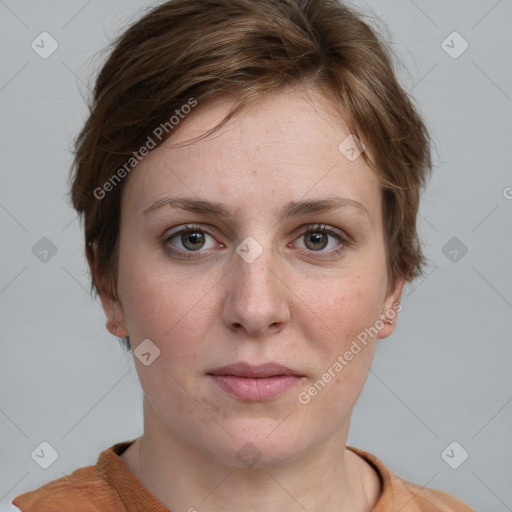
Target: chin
<point>258,444</point>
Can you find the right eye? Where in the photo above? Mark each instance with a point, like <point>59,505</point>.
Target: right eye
<point>191,238</point>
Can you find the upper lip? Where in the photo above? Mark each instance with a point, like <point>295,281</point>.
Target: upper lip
<point>246,370</point>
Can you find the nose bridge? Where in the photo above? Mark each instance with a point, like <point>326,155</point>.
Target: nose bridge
<point>256,297</point>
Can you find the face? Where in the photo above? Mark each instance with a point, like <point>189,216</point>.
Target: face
<point>240,272</point>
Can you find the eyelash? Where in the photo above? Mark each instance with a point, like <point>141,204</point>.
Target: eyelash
<point>316,228</point>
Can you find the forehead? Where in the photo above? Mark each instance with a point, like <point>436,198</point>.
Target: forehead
<point>283,147</point>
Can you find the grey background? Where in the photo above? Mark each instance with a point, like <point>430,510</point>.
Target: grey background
<point>443,376</point>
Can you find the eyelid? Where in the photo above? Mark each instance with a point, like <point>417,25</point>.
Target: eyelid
<point>324,227</point>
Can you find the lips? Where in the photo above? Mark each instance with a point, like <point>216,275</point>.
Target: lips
<point>255,383</point>
<point>261,371</point>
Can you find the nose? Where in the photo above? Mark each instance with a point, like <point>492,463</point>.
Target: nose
<point>257,299</point>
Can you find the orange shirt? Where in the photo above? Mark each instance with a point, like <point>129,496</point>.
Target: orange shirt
<point>110,486</point>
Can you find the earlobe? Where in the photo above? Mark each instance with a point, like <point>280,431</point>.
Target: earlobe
<point>110,304</point>
<point>116,329</point>
<point>392,306</point>
<point>115,323</point>
<point>115,317</point>
<point>112,327</point>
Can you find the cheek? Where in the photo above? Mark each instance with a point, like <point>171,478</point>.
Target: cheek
<point>337,323</point>
<point>164,303</point>
<point>163,308</point>
<point>343,306</point>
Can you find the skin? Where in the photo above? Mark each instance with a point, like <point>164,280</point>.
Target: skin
<point>299,304</point>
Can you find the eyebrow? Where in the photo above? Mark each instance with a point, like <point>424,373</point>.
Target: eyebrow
<point>291,209</point>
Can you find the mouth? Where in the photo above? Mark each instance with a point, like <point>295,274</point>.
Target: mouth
<point>255,383</point>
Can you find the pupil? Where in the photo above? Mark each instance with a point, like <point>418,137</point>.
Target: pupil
<point>195,238</point>
<point>317,238</point>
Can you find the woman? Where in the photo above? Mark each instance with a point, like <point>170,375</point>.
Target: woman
<point>249,182</point>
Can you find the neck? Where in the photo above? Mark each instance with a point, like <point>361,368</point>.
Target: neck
<point>184,477</point>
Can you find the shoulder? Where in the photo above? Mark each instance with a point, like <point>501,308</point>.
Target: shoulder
<point>400,494</point>
<point>427,499</point>
<point>83,490</point>
<point>87,489</point>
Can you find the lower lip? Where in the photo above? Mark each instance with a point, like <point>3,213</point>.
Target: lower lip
<point>253,389</point>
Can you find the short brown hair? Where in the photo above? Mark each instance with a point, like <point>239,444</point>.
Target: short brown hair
<point>199,49</point>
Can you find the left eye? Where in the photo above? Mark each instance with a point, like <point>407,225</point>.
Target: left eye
<point>317,238</point>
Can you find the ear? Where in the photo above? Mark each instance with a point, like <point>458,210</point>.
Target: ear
<point>111,305</point>
<point>391,307</point>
